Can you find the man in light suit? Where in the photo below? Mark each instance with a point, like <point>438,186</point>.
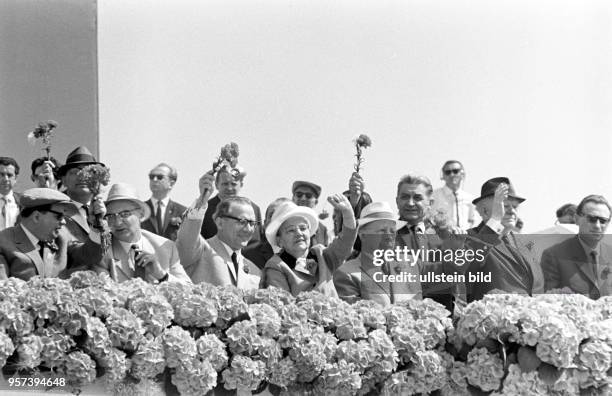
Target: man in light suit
<point>9,199</point>
<point>38,245</point>
<point>134,252</point>
<point>165,213</point>
<point>219,260</point>
<point>583,263</point>
<point>362,277</point>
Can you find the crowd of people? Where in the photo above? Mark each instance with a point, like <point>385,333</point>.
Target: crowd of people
<point>222,238</point>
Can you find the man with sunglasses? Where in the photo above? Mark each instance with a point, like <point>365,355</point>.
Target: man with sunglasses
<point>452,200</point>
<point>39,244</point>
<point>165,213</point>
<point>219,260</point>
<point>307,194</point>
<point>583,263</point>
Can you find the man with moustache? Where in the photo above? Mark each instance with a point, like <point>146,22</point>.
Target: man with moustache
<point>165,213</point>
<point>583,263</point>
<point>229,183</point>
<point>359,278</point>
<point>511,271</point>
<point>452,199</point>
<point>219,260</point>
<point>39,245</point>
<point>9,199</point>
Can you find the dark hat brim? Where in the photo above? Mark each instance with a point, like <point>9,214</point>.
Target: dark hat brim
<point>475,201</point>
<point>66,167</point>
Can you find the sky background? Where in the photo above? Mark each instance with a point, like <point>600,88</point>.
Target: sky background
<point>511,88</point>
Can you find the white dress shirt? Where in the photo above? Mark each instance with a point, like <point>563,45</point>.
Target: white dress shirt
<point>164,205</point>
<point>8,207</point>
<point>444,199</point>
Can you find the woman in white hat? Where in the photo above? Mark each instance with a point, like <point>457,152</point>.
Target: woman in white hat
<point>296,267</point>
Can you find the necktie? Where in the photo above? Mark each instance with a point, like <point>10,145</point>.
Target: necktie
<point>4,202</point>
<point>139,271</point>
<point>41,249</point>
<point>456,206</point>
<point>594,263</point>
<point>235,261</point>
<point>158,217</point>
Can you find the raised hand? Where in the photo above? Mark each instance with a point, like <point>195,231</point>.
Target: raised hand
<point>501,194</point>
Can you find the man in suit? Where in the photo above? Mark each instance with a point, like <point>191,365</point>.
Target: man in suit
<point>307,194</point>
<point>219,260</point>
<point>363,277</point>
<point>79,224</point>
<point>9,200</point>
<point>134,252</point>
<point>38,245</point>
<point>583,263</point>
<point>511,271</point>
<point>228,182</point>
<point>165,214</point>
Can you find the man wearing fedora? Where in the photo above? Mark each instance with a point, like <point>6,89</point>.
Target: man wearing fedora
<point>583,263</point>
<point>39,245</point>
<point>219,260</point>
<point>79,225</point>
<point>9,199</point>
<point>229,183</point>
<point>165,213</point>
<point>134,252</point>
<point>360,277</point>
<point>307,194</point>
<point>511,270</point>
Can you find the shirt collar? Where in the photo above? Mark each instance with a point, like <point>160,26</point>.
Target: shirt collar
<point>10,198</point>
<point>419,228</point>
<point>163,201</point>
<point>588,249</point>
<point>128,245</point>
<point>450,192</point>
<point>229,250</point>
<point>30,236</point>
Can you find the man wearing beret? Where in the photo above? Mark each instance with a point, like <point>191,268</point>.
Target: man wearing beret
<point>39,245</point>
<point>307,194</point>
<point>510,269</point>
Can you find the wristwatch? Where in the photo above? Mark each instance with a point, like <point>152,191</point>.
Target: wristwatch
<point>164,278</point>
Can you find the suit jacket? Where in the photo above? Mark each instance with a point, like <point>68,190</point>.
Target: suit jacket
<point>510,270</point>
<point>169,230</point>
<point>209,261</point>
<point>353,283</point>
<point>259,253</point>
<point>20,259</point>
<point>566,265</point>
<point>115,261</point>
<point>209,228</point>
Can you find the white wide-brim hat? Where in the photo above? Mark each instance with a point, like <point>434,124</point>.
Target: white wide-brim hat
<point>378,211</point>
<point>125,192</point>
<point>285,211</point>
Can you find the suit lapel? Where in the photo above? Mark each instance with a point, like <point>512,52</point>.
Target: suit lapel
<point>120,261</point>
<point>168,214</point>
<point>23,243</point>
<point>152,217</point>
<point>81,221</point>
<point>581,261</point>
<point>222,252</point>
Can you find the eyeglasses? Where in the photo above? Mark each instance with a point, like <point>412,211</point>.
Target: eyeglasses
<point>301,194</point>
<point>156,177</point>
<point>112,217</point>
<point>594,219</point>
<point>448,172</point>
<point>243,222</point>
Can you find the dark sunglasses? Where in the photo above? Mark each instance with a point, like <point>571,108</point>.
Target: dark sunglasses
<point>156,177</point>
<point>300,194</point>
<point>243,222</point>
<point>448,172</point>
<point>594,219</point>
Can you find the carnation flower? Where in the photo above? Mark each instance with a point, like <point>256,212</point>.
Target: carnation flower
<point>148,360</point>
<point>210,348</point>
<point>484,369</point>
<point>266,318</point>
<point>244,373</point>
<point>79,369</point>
<point>242,337</point>
<point>125,329</point>
<point>154,311</point>
<point>361,142</point>
<point>6,348</point>
<point>179,347</point>
<point>197,378</point>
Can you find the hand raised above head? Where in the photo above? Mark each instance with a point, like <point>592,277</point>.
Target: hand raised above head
<point>501,194</point>
<point>339,202</point>
<point>356,183</point>
<point>207,185</point>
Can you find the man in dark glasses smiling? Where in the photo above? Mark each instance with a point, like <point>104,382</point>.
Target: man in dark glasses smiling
<point>583,263</point>
<point>452,200</point>
<point>307,194</point>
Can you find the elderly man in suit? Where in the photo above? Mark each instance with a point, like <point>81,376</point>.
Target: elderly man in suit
<point>363,277</point>
<point>583,263</point>
<point>38,245</point>
<point>165,213</point>
<point>9,200</point>
<point>510,269</point>
<point>229,183</point>
<point>134,252</point>
<point>219,260</point>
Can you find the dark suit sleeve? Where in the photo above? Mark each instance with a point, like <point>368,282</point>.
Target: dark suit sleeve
<point>552,278</point>
<point>347,288</point>
<point>84,256</point>
<point>4,267</point>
